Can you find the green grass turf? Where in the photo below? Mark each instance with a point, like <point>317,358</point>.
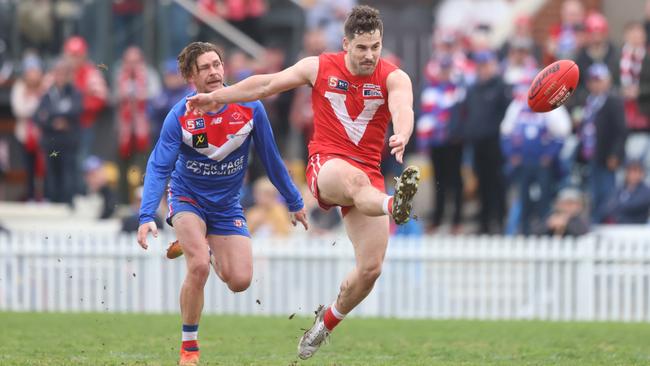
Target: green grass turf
<point>119,339</point>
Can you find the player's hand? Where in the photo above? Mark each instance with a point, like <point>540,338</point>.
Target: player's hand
<point>143,230</point>
<point>201,103</point>
<point>397,143</point>
<point>300,216</point>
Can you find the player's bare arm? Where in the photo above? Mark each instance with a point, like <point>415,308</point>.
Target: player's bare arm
<point>300,216</point>
<point>143,231</point>
<point>400,104</point>
<point>258,86</point>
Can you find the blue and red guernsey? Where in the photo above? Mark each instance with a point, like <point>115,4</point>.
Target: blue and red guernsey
<point>208,156</point>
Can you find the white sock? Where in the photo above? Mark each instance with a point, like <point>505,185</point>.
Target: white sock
<point>190,332</point>
<point>384,206</point>
<point>335,312</point>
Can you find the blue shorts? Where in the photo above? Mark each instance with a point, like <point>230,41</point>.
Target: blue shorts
<point>228,220</point>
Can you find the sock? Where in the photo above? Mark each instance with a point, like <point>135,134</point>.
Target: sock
<point>332,317</point>
<point>190,335</point>
<point>387,206</point>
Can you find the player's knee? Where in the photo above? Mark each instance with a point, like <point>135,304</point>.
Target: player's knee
<point>239,283</point>
<point>198,271</point>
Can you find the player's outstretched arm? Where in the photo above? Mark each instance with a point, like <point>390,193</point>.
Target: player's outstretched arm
<point>257,86</point>
<point>400,104</point>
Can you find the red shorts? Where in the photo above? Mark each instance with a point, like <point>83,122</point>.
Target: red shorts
<point>316,161</point>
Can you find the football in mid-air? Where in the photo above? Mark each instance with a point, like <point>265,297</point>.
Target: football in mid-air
<point>553,86</point>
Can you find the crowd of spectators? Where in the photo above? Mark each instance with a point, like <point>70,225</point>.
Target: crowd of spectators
<point>501,168</point>
<point>589,156</point>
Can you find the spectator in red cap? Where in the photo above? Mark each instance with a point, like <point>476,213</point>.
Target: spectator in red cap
<point>92,86</point>
<point>598,50</point>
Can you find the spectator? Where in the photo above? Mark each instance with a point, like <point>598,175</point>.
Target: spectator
<point>268,217</point>
<point>58,116</point>
<point>633,55</point>
<point>6,66</point>
<point>438,134</point>
<point>26,94</point>
<point>97,183</point>
<point>520,66</point>
<point>240,66</point>
<point>564,39</point>
<point>91,84</point>
<point>128,24</point>
<point>174,89</point>
<point>483,110</point>
<point>598,49</point>
<point>36,24</point>
<point>532,143</point>
<point>135,83</point>
<point>646,22</point>
<point>301,114</point>
<point>567,218</point>
<point>244,14</point>
<point>631,203</point>
<point>602,137</point>
<point>329,16</point>
<point>523,30</point>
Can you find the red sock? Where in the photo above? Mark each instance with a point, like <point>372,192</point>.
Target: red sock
<point>190,345</point>
<point>330,319</point>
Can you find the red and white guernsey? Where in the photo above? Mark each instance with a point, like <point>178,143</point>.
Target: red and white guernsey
<point>350,112</point>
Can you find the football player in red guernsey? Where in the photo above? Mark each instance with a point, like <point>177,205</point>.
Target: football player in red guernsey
<point>355,94</point>
<point>206,156</point>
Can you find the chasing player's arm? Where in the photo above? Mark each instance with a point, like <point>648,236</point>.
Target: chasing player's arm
<point>400,105</point>
<point>261,86</point>
<point>159,167</point>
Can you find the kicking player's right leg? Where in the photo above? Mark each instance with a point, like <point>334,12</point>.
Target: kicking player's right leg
<point>341,183</point>
<point>191,233</point>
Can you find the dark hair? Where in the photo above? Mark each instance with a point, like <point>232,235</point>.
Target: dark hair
<point>362,19</point>
<point>187,58</point>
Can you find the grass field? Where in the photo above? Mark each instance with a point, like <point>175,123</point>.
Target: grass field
<point>117,339</point>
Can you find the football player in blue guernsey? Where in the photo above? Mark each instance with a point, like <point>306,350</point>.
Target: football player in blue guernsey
<point>206,156</point>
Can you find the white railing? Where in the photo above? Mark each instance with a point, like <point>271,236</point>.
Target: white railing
<point>591,278</point>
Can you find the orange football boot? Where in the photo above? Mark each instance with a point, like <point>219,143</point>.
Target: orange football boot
<point>189,358</point>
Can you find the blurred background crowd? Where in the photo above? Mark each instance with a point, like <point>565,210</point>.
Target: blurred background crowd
<point>85,86</point>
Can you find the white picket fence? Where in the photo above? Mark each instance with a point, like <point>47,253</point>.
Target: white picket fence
<point>591,278</point>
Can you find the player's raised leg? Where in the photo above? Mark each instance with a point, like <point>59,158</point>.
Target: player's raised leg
<point>190,231</point>
<point>341,183</point>
<point>233,260</point>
